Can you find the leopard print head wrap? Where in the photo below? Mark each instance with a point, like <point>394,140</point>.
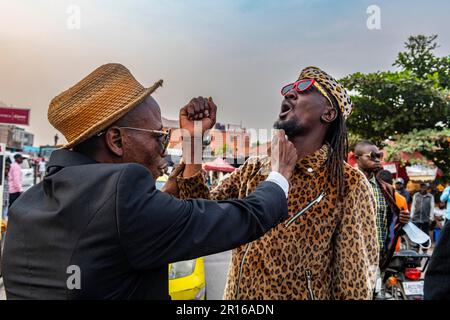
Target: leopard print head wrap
<point>332,87</point>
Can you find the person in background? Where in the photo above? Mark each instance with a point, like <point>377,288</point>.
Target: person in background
<point>437,220</point>
<point>445,198</point>
<point>400,200</point>
<point>42,168</point>
<point>400,188</point>
<point>15,179</point>
<point>369,157</point>
<point>437,277</point>
<point>422,209</point>
<point>5,197</point>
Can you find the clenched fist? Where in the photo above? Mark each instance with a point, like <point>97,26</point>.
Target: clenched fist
<point>283,155</point>
<point>198,109</point>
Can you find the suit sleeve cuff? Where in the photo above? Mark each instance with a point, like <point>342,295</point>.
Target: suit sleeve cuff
<point>281,181</point>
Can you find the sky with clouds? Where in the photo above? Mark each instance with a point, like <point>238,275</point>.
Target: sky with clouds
<point>240,52</point>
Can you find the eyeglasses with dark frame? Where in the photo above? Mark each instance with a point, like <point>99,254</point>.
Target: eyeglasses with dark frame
<point>162,135</point>
<point>373,155</point>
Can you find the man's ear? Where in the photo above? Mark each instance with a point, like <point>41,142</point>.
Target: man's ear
<point>329,115</point>
<point>114,141</point>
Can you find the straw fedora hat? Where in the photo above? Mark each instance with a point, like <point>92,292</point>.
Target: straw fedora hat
<point>96,102</point>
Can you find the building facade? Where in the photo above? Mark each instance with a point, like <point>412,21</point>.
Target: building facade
<point>15,137</point>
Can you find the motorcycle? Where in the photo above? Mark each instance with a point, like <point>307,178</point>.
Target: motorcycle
<point>402,279</point>
<point>401,273</point>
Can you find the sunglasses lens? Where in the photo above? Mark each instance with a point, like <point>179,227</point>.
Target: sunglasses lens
<point>303,85</point>
<point>286,89</point>
<point>375,155</point>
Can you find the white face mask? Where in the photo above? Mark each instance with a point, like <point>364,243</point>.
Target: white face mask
<point>416,235</point>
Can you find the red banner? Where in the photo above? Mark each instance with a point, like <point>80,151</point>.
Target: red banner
<point>15,116</point>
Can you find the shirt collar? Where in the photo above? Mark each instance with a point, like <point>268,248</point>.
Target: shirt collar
<point>373,179</point>
<point>68,158</point>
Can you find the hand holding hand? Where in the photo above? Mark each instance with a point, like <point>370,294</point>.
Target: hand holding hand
<point>171,185</point>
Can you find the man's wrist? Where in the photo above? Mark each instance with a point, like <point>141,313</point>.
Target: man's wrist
<point>192,150</point>
<point>280,180</point>
<point>189,143</point>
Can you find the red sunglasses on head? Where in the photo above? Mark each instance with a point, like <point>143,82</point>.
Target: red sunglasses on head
<point>300,86</point>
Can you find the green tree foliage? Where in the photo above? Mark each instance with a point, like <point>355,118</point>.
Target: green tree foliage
<point>433,144</point>
<point>390,103</point>
<point>420,60</point>
<point>410,106</point>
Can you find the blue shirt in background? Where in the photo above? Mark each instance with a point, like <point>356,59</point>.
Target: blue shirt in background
<point>445,197</point>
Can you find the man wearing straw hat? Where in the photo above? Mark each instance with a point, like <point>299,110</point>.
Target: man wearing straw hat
<point>96,227</point>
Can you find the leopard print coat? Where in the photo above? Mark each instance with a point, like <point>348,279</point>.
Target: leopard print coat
<point>328,252</point>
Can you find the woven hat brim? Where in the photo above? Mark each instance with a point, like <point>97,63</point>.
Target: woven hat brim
<point>105,123</point>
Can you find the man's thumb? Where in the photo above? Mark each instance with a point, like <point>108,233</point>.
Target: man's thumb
<point>178,169</point>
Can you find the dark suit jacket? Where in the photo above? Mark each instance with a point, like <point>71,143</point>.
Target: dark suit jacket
<point>111,222</point>
<point>437,277</point>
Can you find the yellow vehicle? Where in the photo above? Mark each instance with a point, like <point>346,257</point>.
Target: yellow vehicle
<point>2,239</point>
<point>186,278</point>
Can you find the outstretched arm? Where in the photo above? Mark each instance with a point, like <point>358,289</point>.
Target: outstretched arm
<point>157,229</point>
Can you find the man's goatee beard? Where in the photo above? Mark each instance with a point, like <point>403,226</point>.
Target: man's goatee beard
<point>291,127</point>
